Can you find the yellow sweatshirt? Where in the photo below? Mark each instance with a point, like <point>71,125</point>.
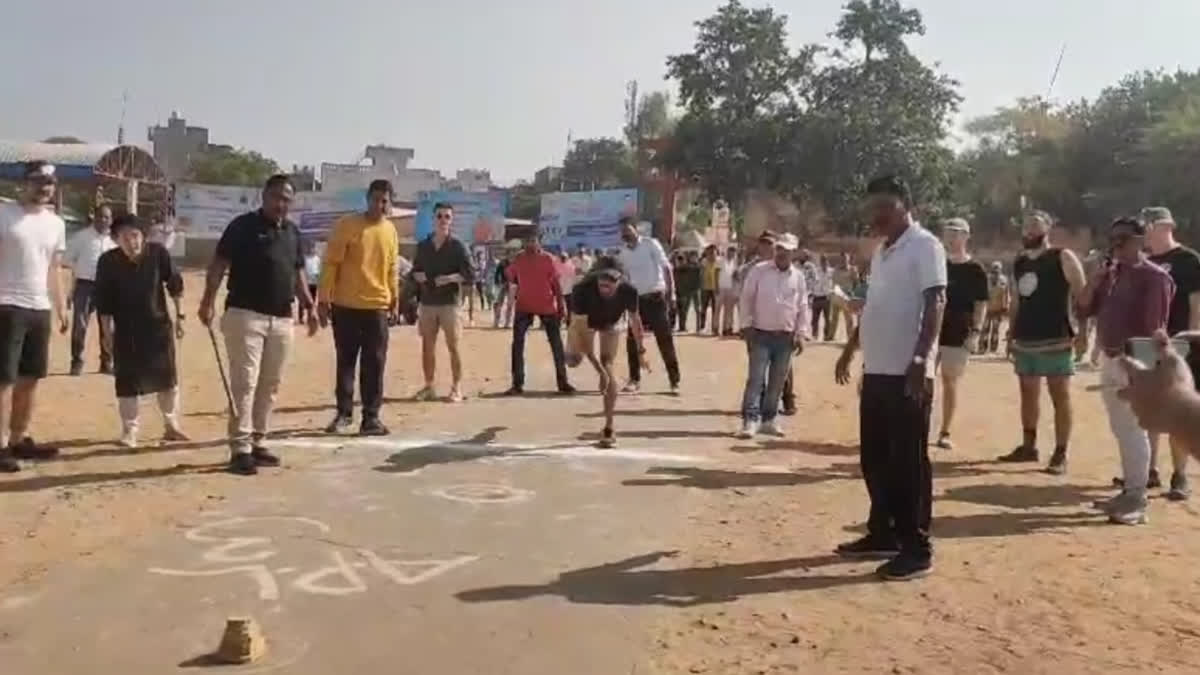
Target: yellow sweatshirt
<point>359,269</point>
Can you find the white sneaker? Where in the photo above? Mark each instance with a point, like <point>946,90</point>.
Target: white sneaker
<point>749,428</point>
<point>128,439</point>
<point>771,428</point>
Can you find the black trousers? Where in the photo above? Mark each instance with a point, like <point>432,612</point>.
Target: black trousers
<point>894,432</point>
<point>684,303</point>
<point>521,323</point>
<point>83,305</point>
<point>708,301</point>
<point>653,311</point>
<point>820,307</point>
<point>360,335</point>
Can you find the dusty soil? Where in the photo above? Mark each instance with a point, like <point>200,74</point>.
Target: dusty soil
<point>1028,579</point>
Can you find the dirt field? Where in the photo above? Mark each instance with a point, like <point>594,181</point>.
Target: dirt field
<point>691,552</point>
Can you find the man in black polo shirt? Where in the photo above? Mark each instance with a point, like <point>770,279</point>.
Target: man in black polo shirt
<point>442,266</point>
<point>262,251</point>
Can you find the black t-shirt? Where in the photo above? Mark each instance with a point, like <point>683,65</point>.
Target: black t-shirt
<point>967,284</point>
<point>603,313</point>
<point>434,262</point>
<point>263,259</point>
<point>1183,264</point>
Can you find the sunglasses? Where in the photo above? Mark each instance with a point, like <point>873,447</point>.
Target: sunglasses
<point>444,216</point>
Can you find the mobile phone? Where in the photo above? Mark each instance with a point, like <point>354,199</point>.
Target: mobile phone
<point>1143,349</point>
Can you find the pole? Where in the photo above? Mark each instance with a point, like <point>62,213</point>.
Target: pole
<point>221,369</point>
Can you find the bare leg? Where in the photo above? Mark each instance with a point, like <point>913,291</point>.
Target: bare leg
<point>610,341</point>
<point>1031,393</point>
<point>1154,440</point>
<point>949,401</point>
<point>429,356</point>
<point>6,398</point>
<point>23,396</point>
<point>1060,395</point>
<point>455,358</point>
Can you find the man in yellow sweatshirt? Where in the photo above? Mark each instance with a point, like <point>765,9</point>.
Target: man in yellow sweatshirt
<point>358,293</point>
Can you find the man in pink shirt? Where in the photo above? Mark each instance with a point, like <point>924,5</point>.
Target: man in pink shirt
<point>534,272</point>
<point>775,322</point>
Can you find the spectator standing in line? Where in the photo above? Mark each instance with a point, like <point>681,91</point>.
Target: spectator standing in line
<point>999,300</point>
<point>845,278</point>
<point>359,293</point>
<point>687,286</point>
<point>727,294</point>
<point>536,275</point>
<point>966,304</point>
<point>83,252</point>
<point>898,333</point>
<point>442,267</point>
<point>710,273</point>
<point>262,252</point>
<point>566,280</point>
<point>649,271</point>
<point>822,293</point>
<point>312,271</point>
<point>502,306</point>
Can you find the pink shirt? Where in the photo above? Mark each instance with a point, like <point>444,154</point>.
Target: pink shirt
<point>774,299</point>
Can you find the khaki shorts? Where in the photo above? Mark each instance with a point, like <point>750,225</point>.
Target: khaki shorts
<point>432,318</point>
<point>953,361</point>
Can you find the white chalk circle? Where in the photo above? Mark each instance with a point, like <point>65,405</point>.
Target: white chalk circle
<point>482,493</point>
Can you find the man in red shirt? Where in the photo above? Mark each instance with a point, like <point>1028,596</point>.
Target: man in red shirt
<point>535,274</point>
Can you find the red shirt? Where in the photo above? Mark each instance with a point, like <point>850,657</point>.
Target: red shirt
<point>536,277</point>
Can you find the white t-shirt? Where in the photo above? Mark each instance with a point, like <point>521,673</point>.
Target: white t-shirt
<point>644,265</point>
<point>891,319</point>
<point>28,243</point>
<point>84,251</point>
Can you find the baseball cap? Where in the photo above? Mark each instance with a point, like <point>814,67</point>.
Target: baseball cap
<point>1156,214</point>
<point>787,241</point>
<point>957,225</point>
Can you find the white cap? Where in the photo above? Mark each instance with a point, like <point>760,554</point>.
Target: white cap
<point>787,241</point>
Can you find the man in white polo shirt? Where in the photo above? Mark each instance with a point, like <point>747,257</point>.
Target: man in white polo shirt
<point>649,271</point>
<point>898,333</point>
<point>32,241</point>
<point>83,252</point>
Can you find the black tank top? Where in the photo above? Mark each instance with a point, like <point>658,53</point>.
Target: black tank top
<point>1043,313</point>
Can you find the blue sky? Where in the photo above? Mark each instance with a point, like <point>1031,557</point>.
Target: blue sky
<point>470,83</point>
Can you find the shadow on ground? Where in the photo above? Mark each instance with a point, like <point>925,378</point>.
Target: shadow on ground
<point>621,583</point>
<point>664,412</point>
<point>479,446</point>
<point>718,479</point>
<point>823,449</point>
<point>1025,496</point>
<point>109,449</point>
<point>36,483</point>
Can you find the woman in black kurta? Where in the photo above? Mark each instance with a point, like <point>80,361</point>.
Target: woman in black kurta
<point>132,282</point>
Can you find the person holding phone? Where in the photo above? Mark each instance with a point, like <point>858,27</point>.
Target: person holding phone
<point>1130,297</point>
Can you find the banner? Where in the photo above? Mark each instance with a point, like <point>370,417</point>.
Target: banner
<point>203,211</point>
<point>478,216</point>
<point>572,219</point>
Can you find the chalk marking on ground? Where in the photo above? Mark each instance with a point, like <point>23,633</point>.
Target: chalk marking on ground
<point>480,493</point>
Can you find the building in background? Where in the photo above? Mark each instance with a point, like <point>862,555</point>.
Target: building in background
<point>548,177</point>
<point>176,144</point>
<point>471,180</point>
<point>382,161</point>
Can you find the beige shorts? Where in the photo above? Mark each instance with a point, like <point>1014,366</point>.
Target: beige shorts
<point>432,318</point>
<point>953,361</point>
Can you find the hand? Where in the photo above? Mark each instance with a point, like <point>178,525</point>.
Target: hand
<point>798,343</point>
<point>394,314</point>
<point>323,313</point>
<point>64,324</point>
<point>420,277</point>
<point>1162,397</point>
<point>972,345</point>
<point>841,371</point>
<point>313,324</point>
<point>205,312</point>
<point>916,381</point>
<point>108,343</point>
<point>442,280</point>
<point>644,362</point>
<point>70,300</point>
<point>178,328</point>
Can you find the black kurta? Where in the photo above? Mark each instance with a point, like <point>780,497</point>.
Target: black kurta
<point>132,292</point>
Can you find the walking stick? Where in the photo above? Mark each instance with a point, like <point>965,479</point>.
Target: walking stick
<point>221,369</point>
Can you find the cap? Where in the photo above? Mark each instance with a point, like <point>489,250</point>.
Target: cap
<point>1156,214</point>
<point>957,225</point>
<point>787,241</point>
<point>997,265</point>
<point>39,169</point>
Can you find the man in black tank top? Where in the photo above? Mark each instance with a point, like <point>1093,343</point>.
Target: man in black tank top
<point>1046,281</point>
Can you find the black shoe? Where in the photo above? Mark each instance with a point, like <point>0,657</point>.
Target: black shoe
<point>263,456</point>
<point>76,369</point>
<point>607,439</point>
<point>106,369</point>
<point>27,449</point>
<point>567,390</point>
<point>1021,454</point>
<point>371,426</point>
<point>1180,491</point>
<point>1058,463</point>
<point>515,391</point>
<point>1154,481</point>
<point>340,422</point>
<point>904,568</point>
<point>242,464</point>
<point>869,548</point>
<point>789,410</point>
<point>943,441</point>
<point>8,463</point>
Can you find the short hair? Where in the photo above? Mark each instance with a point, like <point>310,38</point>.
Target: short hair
<point>279,180</point>
<point>624,221</point>
<point>443,206</point>
<point>891,185</point>
<point>380,185</point>
<point>126,220</point>
<point>1135,224</point>
<point>607,265</point>
<point>1046,218</point>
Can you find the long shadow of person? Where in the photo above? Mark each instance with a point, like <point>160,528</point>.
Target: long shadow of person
<point>717,479</point>
<point>479,446</point>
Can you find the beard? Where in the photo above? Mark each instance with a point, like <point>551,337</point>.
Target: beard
<point>1033,241</point>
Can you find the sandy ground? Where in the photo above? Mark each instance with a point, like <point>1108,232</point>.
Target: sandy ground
<point>714,556</point>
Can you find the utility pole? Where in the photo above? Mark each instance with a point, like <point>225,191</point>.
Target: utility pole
<point>121,124</point>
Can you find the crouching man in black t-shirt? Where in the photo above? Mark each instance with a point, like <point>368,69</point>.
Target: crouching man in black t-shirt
<point>599,303</point>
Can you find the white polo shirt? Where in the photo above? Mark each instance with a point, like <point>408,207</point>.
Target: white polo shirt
<point>644,265</point>
<point>895,307</point>
<point>84,251</point>
<point>28,243</point>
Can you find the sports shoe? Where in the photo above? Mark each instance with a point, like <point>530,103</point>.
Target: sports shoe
<point>371,426</point>
<point>567,390</point>
<point>263,456</point>
<point>631,387</point>
<point>749,428</point>
<point>8,464</point>
<point>869,548</point>
<point>607,439</point>
<point>173,434</point>
<point>1127,509</point>
<point>339,423</point>
<point>789,409</point>
<point>455,395</point>
<point>904,568</point>
<point>1058,462</point>
<point>771,428</point>
<point>515,391</point>
<point>128,439</point>
<point>27,449</point>
<point>1153,481</point>
<point>426,394</point>
<point>76,369</point>
<point>943,441</point>
<point>1180,490</point>
<point>242,464</point>
<point>1021,454</point>
<point>674,390</point>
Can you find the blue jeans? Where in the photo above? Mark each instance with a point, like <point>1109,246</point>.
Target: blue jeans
<point>770,357</point>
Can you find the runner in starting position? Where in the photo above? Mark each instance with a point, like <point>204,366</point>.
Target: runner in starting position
<point>599,302</point>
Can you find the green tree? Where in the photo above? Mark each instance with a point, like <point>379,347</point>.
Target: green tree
<point>598,163</point>
<point>648,117</point>
<point>221,166</point>
<point>64,140</point>
<point>524,201</point>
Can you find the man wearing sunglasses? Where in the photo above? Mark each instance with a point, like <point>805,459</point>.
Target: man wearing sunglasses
<point>32,243</point>
<point>442,266</point>
<point>1130,298</point>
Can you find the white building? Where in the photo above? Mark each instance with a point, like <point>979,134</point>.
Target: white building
<point>391,163</point>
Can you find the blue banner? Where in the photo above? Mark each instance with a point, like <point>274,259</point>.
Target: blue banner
<point>572,219</point>
<point>478,216</point>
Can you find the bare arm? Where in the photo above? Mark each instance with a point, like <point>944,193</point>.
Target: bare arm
<point>55,285</point>
<point>1073,270</point>
<point>931,319</point>
<point>1194,314</point>
<point>979,315</point>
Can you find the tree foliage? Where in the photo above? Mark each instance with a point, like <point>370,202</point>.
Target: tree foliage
<point>598,163</point>
<point>223,166</point>
<point>650,117</point>
<point>64,140</point>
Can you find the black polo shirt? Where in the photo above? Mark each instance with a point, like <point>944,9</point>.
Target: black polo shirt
<point>263,259</point>
<point>451,258</point>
